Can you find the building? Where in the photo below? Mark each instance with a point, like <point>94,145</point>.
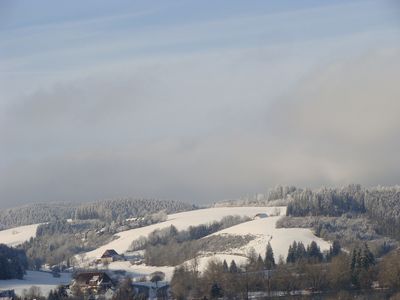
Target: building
<point>110,256</point>
<point>96,282</point>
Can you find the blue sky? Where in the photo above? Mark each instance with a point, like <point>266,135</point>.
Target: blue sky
<point>195,100</point>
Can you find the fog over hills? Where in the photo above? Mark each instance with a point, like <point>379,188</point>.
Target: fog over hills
<point>204,105</point>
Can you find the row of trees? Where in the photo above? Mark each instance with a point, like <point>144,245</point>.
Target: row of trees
<point>351,272</point>
<point>380,204</point>
<point>171,234</point>
<point>278,195</point>
<point>298,252</point>
<point>175,253</point>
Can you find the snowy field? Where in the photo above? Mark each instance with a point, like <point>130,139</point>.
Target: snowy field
<point>181,221</point>
<point>280,238</point>
<point>18,235</point>
<point>45,281</point>
<point>263,229</point>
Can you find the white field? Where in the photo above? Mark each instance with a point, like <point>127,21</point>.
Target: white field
<point>280,238</point>
<point>263,229</point>
<point>45,281</point>
<point>18,235</point>
<point>181,221</point>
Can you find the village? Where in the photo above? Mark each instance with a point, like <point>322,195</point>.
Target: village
<point>97,282</point>
<point>104,282</point>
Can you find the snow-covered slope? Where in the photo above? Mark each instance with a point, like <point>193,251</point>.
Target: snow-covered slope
<point>18,235</point>
<point>45,281</point>
<point>280,238</point>
<point>181,221</point>
<point>264,229</point>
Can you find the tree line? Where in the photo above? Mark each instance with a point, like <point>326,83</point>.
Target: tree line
<point>337,274</point>
<point>105,210</point>
<point>381,205</point>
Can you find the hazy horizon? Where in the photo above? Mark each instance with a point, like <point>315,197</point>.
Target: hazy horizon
<point>195,101</point>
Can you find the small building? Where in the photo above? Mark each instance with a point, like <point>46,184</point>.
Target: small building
<point>260,216</point>
<point>110,256</point>
<point>97,282</point>
<point>7,295</point>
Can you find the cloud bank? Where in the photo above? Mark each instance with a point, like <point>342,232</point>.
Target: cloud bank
<point>204,132</point>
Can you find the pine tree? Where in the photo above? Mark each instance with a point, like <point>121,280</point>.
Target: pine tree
<point>290,255</point>
<point>260,263</point>
<point>314,252</point>
<point>233,268</point>
<point>269,257</point>
<point>225,267</point>
<point>301,252</point>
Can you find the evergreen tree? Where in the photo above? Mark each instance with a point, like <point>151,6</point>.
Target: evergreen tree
<point>232,267</point>
<point>225,266</point>
<point>290,258</point>
<point>269,258</point>
<point>301,252</point>
<point>314,252</point>
<point>260,263</point>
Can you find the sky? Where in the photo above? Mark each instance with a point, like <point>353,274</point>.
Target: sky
<point>196,101</point>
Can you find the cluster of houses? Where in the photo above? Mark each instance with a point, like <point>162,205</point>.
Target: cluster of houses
<point>105,283</point>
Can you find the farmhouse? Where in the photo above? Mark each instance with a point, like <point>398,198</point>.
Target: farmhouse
<point>93,282</point>
<point>110,256</point>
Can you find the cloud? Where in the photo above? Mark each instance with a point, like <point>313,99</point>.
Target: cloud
<point>205,128</point>
<point>343,120</point>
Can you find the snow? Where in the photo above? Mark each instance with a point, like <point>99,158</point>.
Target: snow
<point>139,271</point>
<point>44,280</point>
<point>181,221</point>
<point>18,235</point>
<point>280,238</point>
<point>264,230</point>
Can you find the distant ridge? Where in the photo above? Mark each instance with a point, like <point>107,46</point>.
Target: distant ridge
<point>110,209</point>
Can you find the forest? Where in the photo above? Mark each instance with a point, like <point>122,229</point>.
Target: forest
<point>104,210</point>
<point>58,241</point>
<point>380,206</point>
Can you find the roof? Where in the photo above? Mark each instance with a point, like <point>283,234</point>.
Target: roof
<point>86,277</point>
<point>109,253</point>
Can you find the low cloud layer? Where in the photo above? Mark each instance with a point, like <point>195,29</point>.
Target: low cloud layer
<point>202,132</point>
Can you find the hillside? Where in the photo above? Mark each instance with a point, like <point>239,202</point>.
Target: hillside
<point>180,221</point>
<point>105,210</point>
<point>261,230</point>
<point>18,235</point>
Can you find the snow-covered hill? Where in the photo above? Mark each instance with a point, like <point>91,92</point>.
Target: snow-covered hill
<point>264,230</point>
<point>18,235</point>
<point>280,238</point>
<point>181,221</point>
